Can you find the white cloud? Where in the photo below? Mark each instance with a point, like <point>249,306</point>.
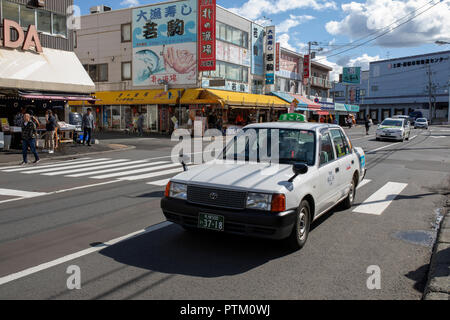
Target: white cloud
<point>365,18</point>
<point>361,61</point>
<point>283,39</point>
<point>130,3</point>
<point>292,22</point>
<point>254,9</point>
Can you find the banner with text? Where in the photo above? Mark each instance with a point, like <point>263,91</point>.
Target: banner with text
<point>270,55</point>
<point>206,35</point>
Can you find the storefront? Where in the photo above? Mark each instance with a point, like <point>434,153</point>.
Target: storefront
<point>120,110</point>
<point>300,104</point>
<point>222,110</point>
<point>37,80</point>
<point>344,110</point>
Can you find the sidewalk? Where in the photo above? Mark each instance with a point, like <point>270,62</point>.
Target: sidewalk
<point>14,157</point>
<point>438,286</point>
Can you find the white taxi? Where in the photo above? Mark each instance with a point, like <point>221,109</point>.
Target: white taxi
<point>394,129</point>
<point>247,191</point>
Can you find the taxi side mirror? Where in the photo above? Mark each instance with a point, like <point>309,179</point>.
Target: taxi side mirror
<point>298,169</point>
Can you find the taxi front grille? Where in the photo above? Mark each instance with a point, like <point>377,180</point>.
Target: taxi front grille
<point>217,197</point>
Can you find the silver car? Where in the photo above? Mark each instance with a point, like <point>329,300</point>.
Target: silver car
<point>394,129</point>
<point>421,123</point>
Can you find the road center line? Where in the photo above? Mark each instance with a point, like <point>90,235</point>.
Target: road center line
<point>389,145</point>
<point>79,254</point>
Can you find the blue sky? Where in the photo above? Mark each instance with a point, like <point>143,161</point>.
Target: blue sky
<point>333,23</point>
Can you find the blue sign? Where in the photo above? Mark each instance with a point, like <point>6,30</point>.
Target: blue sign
<point>257,50</point>
<point>164,24</point>
<point>270,78</point>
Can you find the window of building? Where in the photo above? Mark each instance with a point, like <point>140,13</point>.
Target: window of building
<point>126,32</point>
<point>97,72</point>
<point>27,17</point>
<point>126,70</point>
<point>11,11</point>
<point>59,25</point>
<point>44,21</point>
<point>229,71</point>
<point>374,88</point>
<point>230,34</point>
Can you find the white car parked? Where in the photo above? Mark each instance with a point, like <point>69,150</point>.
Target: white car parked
<point>318,168</point>
<point>395,129</point>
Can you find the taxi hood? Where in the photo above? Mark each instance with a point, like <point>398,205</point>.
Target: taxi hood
<point>259,177</point>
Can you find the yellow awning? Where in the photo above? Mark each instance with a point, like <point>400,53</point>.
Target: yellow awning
<point>194,96</point>
<point>132,97</point>
<point>246,99</point>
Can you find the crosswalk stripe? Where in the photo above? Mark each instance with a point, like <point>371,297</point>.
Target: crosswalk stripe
<point>55,165</point>
<point>378,202</point>
<point>122,166</point>
<point>159,183</point>
<point>128,166</point>
<point>20,193</point>
<point>126,173</point>
<point>152,175</point>
<point>52,164</point>
<point>84,165</point>
<point>363,183</point>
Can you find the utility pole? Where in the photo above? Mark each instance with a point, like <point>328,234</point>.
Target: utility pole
<point>432,99</point>
<point>308,93</point>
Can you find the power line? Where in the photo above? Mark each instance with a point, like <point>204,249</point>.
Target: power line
<point>380,35</point>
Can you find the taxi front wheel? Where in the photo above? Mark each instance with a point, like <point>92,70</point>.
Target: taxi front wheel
<point>300,232</point>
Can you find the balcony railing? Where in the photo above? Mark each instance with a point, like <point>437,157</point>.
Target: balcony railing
<point>320,82</point>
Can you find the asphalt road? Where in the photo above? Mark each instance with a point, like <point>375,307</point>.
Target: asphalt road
<point>50,220</point>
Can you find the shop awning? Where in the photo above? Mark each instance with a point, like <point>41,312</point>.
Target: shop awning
<point>196,96</point>
<point>322,113</point>
<point>56,97</point>
<point>52,70</point>
<point>132,97</point>
<point>247,99</point>
<point>304,104</point>
<point>346,107</point>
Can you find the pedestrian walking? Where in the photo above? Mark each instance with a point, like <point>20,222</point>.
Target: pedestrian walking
<point>29,135</point>
<point>140,124</point>
<point>50,134</point>
<point>368,123</point>
<point>88,127</point>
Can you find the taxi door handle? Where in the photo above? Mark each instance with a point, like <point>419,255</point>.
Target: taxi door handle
<point>353,161</point>
<point>337,170</point>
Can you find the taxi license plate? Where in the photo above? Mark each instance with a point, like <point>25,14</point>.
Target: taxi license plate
<point>211,222</point>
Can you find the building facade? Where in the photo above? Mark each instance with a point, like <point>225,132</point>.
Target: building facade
<point>402,85</point>
<point>39,70</point>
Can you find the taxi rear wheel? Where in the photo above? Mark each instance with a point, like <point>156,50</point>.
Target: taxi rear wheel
<point>300,232</point>
<point>348,202</point>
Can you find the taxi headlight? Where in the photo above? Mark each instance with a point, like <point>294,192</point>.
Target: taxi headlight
<point>259,201</point>
<point>178,191</point>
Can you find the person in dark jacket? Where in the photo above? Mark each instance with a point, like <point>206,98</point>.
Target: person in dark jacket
<point>368,123</point>
<point>29,135</point>
<point>50,134</point>
<point>88,126</point>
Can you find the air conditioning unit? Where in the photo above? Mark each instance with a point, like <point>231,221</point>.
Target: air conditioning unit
<point>100,9</point>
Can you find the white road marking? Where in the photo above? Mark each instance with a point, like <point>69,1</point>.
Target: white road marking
<point>378,202</point>
<point>95,172</point>
<point>412,138</point>
<point>152,175</point>
<point>95,168</point>
<point>20,193</point>
<point>79,254</point>
<point>389,145</point>
<point>127,173</point>
<point>42,166</point>
<point>363,183</point>
<point>54,165</point>
<point>84,165</point>
<point>160,183</point>
<point>365,137</point>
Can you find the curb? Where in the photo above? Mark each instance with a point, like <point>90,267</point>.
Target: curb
<point>438,284</point>
<point>127,148</point>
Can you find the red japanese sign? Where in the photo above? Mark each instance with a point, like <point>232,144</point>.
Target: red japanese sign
<point>306,67</point>
<point>277,57</point>
<point>206,35</point>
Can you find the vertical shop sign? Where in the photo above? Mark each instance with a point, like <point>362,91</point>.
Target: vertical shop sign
<point>277,57</point>
<point>270,55</point>
<point>257,50</point>
<point>206,35</point>
<point>306,67</point>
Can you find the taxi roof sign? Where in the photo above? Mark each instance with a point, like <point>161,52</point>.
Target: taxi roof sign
<point>292,117</point>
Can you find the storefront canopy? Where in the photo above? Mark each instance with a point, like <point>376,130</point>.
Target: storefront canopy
<point>133,97</point>
<point>235,99</point>
<point>346,107</point>
<point>55,97</point>
<point>304,104</point>
<point>197,96</point>
<point>52,70</point>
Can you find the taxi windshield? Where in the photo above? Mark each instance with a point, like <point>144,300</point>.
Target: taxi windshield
<point>392,123</point>
<point>285,146</point>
